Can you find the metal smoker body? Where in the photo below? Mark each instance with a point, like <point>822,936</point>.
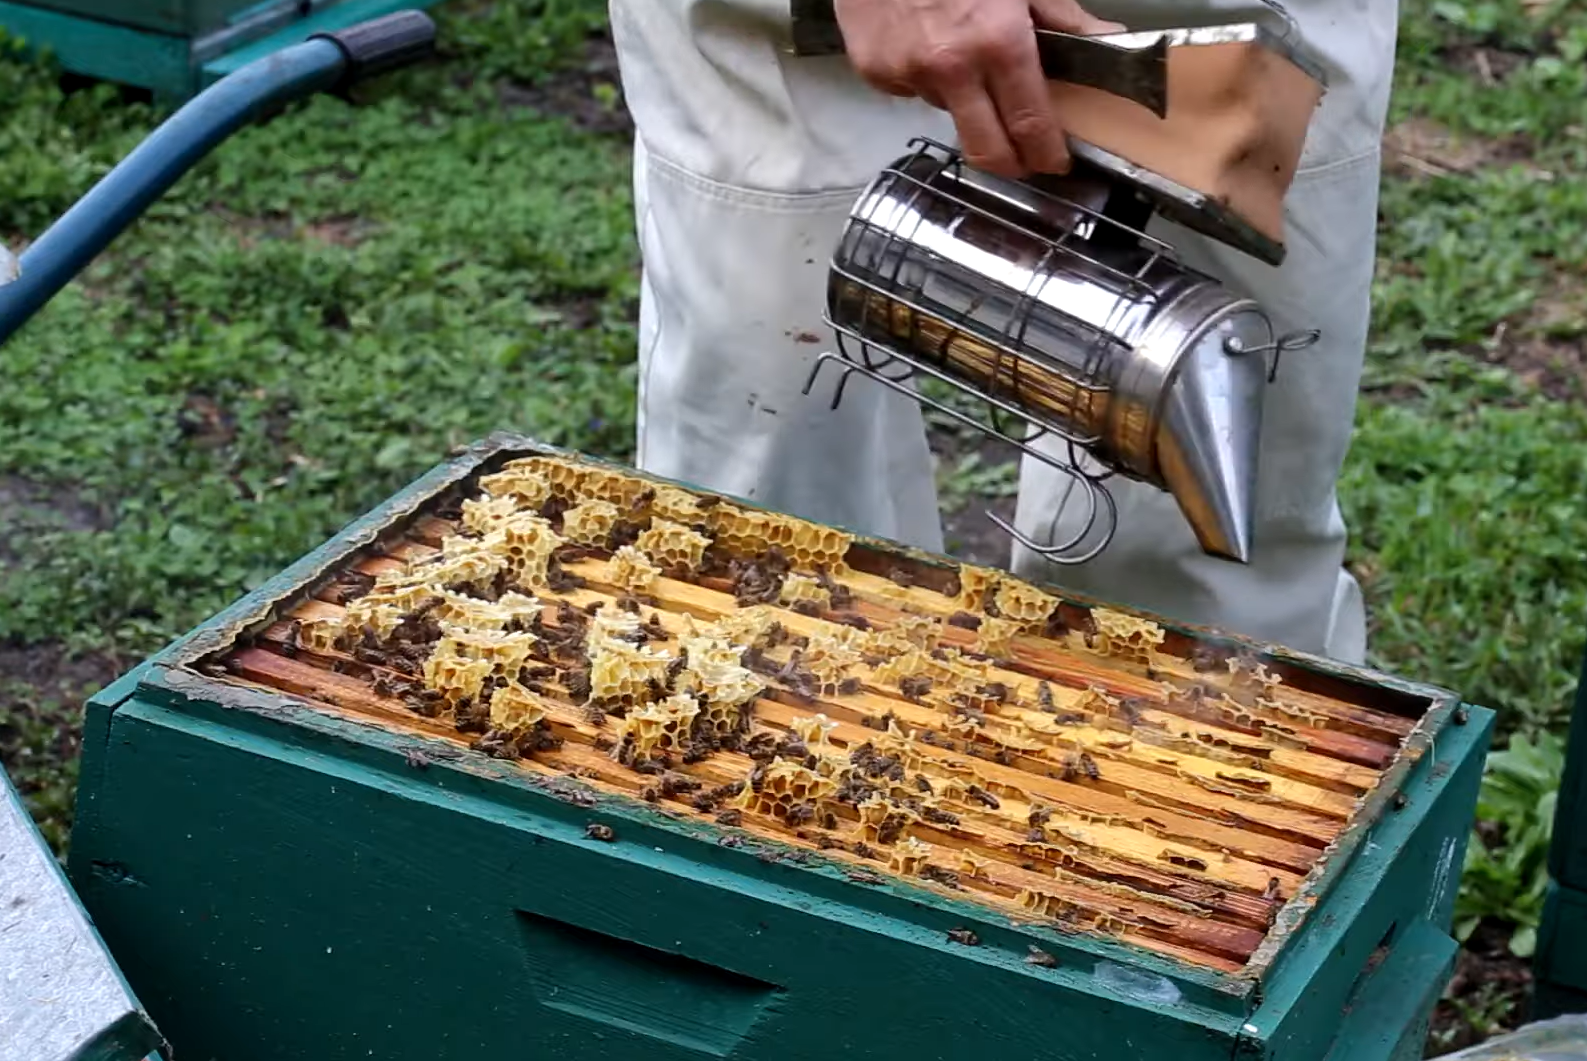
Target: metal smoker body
<point>1047,300</point>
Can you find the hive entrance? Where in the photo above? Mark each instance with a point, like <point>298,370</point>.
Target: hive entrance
<point>731,664</point>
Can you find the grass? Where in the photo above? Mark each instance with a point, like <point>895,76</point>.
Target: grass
<point>335,300</point>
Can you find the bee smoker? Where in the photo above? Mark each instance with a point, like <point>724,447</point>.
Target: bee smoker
<point>1045,300</point>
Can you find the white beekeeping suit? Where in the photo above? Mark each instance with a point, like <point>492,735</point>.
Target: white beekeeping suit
<point>747,161</point>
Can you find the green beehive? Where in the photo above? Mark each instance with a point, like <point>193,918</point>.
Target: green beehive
<point>545,758</point>
<point>177,47</point>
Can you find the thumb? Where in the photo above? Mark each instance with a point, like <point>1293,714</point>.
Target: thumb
<point>1067,16</point>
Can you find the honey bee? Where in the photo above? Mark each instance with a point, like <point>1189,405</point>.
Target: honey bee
<point>1039,957</point>
<point>1078,764</point>
<point>673,784</point>
<point>982,796</point>
<point>597,831</point>
<point>289,645</point>
<point>964,937</point>
<point>1044,698</point>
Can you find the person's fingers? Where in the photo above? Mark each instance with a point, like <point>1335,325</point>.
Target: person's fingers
<point>1067,16</point>
<point>1024,105</point>
<point>982,140</point>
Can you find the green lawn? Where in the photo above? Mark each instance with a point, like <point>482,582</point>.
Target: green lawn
<point>335,300</point>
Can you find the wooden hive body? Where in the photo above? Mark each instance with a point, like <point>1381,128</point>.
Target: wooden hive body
<point>876,804</point>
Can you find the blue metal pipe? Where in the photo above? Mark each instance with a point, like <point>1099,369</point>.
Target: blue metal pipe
<point>85,230</point>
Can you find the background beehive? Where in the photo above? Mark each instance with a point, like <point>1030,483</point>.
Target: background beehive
<point>963,730</point>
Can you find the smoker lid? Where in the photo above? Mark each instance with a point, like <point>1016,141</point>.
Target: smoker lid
<point>1186,206</point>
<point>1177,202</point>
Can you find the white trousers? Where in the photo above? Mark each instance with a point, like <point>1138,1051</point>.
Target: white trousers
<point>747,161</point>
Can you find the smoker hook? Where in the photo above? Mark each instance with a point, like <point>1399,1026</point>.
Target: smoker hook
<point>1294,342</point>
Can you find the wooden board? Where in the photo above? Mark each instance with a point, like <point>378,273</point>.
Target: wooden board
<point>958,728</point>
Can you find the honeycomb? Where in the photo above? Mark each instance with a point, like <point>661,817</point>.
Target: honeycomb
<point>782,787</point>
<point>506,653</point>
<point>589,523</point>
<point>472,613</point>
<point>797,587</point>
<point>677,648</point>
<point>623,673</point>
<point>514,709</point>
<point>481,515</point>
<point>526,544</point>
<point>909,856</point>
<point>1126,636</point>
<point>712,672</point>
<point>656,727</point>
<point>1023,603</point>
<point>678,506</point>
<point>813,731</point>
<point>672,546</point>
<point>806,545</point>
<point>456,677</point>
<point>631,570</point>
<point>519,481</point>
<point>995,637</point>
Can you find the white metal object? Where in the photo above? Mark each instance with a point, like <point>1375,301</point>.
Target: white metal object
<point>1053,307</point>
<point>62,997</point>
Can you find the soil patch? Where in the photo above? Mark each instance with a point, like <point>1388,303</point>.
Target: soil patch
<point>968,533</point>
<point>1420,147</point>
<point>588,92</point>
<point>1489,66</point>
<point>1547,349</point>
<point>30,507</point>
<point>51,671</point>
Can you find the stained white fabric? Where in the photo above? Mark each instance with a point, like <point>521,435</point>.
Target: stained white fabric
<point>747,161</point>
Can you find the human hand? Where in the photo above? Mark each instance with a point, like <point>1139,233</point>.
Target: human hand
<point>977,60</point>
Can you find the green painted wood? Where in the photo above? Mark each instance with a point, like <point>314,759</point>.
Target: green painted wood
<point>339,16</point>
<point>1568,848</point>
<point>1398,896</point>
<point>1561,958</point>
<point>1550,1000</point>
<point>273,899</point>
<point>1409,980</point>
<point>185,18</point>
<point>159,62</point>
<point>170,46</point>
